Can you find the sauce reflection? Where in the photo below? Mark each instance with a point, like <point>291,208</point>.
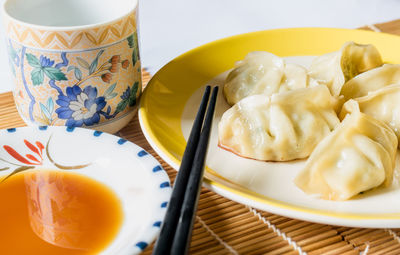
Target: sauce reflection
<point>70,213</point>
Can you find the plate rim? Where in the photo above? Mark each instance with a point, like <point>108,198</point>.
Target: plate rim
<point>162,193</point>
<point>250,198</point>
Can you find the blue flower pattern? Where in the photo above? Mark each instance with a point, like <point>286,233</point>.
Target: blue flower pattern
<point>80,107</point>
<point>126,94</point>
<point>46,62</point>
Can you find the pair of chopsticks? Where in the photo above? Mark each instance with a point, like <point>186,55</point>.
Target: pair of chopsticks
<point>176,230</point>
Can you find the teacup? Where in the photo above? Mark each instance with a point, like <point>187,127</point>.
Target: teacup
<point>74,63</point>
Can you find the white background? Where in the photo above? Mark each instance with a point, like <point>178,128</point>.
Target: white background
<point>168,28</point>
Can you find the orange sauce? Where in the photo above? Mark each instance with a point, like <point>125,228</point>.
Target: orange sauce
<point>49,212</point>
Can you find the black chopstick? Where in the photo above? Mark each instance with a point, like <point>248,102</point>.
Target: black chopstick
<point>168,228</point>
<point>183,232</point>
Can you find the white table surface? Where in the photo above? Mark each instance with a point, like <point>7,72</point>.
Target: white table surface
<point>170,28</point>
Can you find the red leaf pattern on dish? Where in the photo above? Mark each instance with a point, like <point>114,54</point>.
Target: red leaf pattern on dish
<point>31,157</point>
<point>40,146</point>
<point>38,149</point>
<point>17,156</point>
<point>32,147</point>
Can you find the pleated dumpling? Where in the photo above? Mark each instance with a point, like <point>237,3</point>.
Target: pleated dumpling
<point>281,127</point>
<point>336,68</point>
<point>263,73</point>
<point>371,80</point>
<point>357,156</point>
<point>382,104</point>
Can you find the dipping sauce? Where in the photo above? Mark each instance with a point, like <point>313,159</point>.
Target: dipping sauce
<point>54,212</point>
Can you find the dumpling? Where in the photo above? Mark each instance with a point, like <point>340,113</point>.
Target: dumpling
<point>336,68</point>
<point>263,73</point>
<point>357,156</point>
<point>382,104</point>
<point>371,80</point>
<point>259,72</point>
<point>281,127</point>
<point>295,77</point>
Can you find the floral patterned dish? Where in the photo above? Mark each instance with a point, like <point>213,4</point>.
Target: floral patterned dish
<point>137,178</point>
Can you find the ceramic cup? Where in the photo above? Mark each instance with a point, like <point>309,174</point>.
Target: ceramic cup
<point>74,63</point>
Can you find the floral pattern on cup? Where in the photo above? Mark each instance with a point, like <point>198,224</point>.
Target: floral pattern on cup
<point>83,88</point>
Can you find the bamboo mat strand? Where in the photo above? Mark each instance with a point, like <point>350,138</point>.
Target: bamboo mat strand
<point>226,227</point>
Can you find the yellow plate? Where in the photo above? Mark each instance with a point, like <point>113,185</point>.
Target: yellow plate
<point>171,98</point>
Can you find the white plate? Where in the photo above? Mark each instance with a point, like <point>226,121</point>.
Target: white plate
<point>171,99</point>
<point>137,178</point>
<point>275,179</point>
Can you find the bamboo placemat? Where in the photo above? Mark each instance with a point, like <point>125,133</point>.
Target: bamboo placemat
<point>226,227</point>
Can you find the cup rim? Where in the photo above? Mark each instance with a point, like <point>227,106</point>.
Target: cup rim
<point>66,28</point>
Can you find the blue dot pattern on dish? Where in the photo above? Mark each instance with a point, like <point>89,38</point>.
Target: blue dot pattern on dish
<point>164,185</point>
<point>97,133</point>
<point>142,153</point>
<point>157,224</point>
<point>141,245</point>
<point>157,169</point>
<point>121,141</point>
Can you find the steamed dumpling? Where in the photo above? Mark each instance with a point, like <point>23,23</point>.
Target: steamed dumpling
<point>383,105</point>
<point>263,73</point>
<point>371,80</point>
<point>281,127</point>
<point>357,156</point>
<point>295,77</point>
<point>336,68</point>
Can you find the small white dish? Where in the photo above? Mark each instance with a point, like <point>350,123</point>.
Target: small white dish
<point>137,179</point>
